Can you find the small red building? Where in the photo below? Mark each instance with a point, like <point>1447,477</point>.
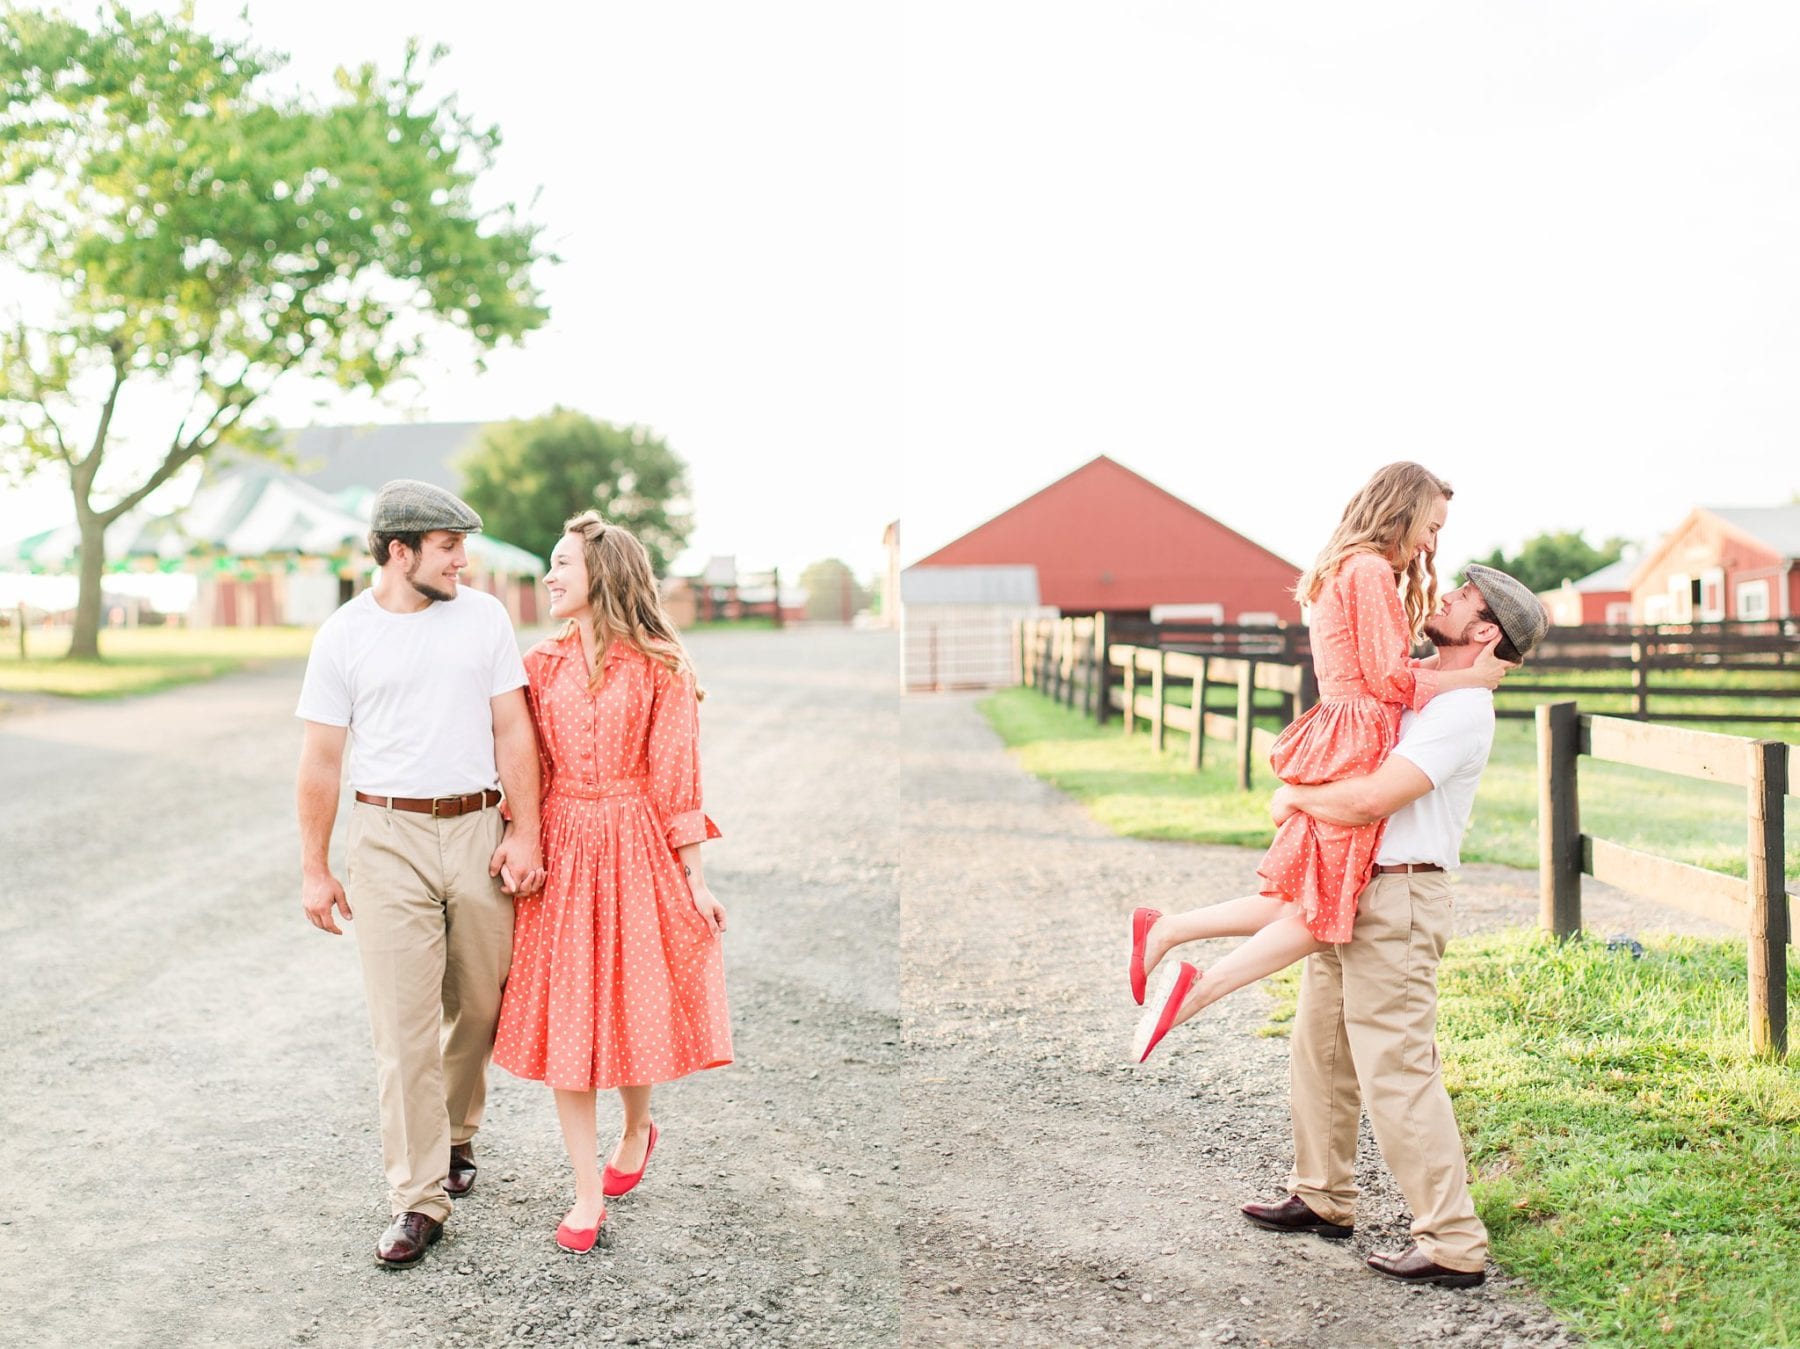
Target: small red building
<point>1722,562</point>
<point>1599,597</point>
<point>1104,538</point>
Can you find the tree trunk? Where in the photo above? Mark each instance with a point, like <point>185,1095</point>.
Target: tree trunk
<point>85,644</point>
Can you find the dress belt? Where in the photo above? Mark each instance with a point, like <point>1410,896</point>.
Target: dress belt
<point>599,791</point>
<point>1409,866</point>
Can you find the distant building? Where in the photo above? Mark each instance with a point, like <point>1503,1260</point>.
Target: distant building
<point>1722,562</point>
<point>1600,597</point>
<point>1100,539</point>
<point>1105,538</point>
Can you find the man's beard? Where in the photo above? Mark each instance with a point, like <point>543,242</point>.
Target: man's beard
<point>429,592</point>
<point>1442,638</point>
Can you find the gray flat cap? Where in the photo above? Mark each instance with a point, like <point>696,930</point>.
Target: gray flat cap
<point>1519,612</point>
<point>405,506</point>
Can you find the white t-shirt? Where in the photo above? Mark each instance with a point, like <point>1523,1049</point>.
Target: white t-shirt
<point>414,690</point>
<point>1448,742</point>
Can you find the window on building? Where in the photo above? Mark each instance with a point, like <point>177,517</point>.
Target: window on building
<point>1753,599</point>
<point>1618,613</point>
<point>1709,595</point>
<point>1681,598</point>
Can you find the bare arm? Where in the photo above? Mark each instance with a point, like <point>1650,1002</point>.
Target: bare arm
<point>316,797</point>
<point>1375,796</point>
<point>519,855</point>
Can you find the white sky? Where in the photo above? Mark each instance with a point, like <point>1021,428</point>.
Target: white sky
<point>859,262</point>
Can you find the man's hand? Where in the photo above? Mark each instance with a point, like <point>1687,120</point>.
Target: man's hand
<point>319,894</point>
<point>519,863</point>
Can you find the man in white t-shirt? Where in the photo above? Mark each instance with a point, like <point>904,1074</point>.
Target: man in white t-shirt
<point>1366,1028</point>
<point>423,677</point>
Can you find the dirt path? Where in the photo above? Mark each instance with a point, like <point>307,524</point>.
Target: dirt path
<point>1058,1196</point>
<point>191,1129</point>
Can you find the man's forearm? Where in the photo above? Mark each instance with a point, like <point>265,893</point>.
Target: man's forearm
<point>516,755</point>
<point>316,798</point>
<point>1346,802</point>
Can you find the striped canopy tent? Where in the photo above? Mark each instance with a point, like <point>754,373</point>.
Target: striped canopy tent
<point>249,522</point>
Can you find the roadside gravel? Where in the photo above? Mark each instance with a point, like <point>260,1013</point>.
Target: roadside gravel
<point>1059,1195</point>
<point>191,1122</point>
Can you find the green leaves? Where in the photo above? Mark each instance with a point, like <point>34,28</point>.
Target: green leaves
<point>526,478</point>
<point>192,224</point>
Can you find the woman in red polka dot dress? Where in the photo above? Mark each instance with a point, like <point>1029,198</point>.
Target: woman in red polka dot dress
<point>1362,632</point>
<point>618,980</point>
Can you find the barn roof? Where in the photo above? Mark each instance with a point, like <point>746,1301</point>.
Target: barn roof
<point>1104,537</point>
<point>1776,526</point>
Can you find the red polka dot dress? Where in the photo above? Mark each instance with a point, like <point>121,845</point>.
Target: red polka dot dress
<point>1360,641</point>
<point>616,980</point>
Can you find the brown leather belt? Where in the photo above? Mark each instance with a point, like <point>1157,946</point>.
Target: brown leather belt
<point>1410,866</point>
<point>440,807</point>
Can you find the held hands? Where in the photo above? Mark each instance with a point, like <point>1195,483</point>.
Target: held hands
<point>519,863</point>
<point>319,894</point>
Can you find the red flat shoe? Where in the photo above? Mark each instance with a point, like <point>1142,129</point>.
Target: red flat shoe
<point>614,1183</point>
<point>1159,1014</point>
<point>1141,921</point>
<point>581,1240</point>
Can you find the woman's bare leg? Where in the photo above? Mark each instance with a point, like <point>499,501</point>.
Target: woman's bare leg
<point>634,1135</point>
<point>1229,918</point>
<point>575,1112</point>
<point>1275,947</point>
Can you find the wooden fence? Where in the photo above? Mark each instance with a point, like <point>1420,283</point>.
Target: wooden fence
<point>1077,662</point>
<point>1642,657</point>
<point>1758,905</point>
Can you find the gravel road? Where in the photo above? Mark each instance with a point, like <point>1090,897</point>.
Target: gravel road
<point>190,1105</point>
<point>931,1135</point>
<point>1058,1195</point>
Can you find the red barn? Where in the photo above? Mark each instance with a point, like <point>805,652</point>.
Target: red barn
<point>1600,597</point>
<point>1723,562</point>
<point>1104,538</point>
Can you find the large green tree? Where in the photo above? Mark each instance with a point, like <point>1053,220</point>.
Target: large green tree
<point>190,226</point>
<point>1546,560</point>
<point>528,477</point>
<point>832,592</point>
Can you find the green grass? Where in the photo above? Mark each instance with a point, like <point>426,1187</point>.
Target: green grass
<point>1132,791</point>
<point>754,623</point>
<point>1633,1161</point>
<point>139,660</point>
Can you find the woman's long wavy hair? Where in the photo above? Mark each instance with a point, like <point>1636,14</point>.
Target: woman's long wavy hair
<point>624,603</point>
<point>1389,517</point>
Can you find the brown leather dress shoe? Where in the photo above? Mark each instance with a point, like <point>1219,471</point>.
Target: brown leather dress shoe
<point>1413,1266</point>
<point>406,1239</point>
<point>1292,1215</point>
<point>461,1177</point>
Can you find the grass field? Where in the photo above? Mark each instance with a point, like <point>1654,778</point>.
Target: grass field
<point>138,660</point>
<point>1134,792</point>
<point>1633,1161</point>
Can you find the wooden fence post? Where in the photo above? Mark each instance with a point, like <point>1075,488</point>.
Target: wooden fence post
<point>1768,898</point>
<point>1065,665</point>
<point>1102,672</point>
<point>1197,742</point>
<point>1640,680</point>
<point>1159,674</point>
<point>1018,652</point>
<point>1245,708</point>
<point>1559,819</point>
<point>1131,690</point>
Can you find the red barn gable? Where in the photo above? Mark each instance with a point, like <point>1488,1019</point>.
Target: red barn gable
<point>1105,538</point>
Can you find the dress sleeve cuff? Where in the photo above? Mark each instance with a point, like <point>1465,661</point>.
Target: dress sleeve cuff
<point>691,826</point>
<point>1425,687</point>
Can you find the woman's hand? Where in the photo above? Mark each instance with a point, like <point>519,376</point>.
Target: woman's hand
<point>1281,805</point>
<point>708,908</point>
<point>1488,668</point>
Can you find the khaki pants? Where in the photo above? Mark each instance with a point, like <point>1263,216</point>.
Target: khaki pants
<point>1368,1018</point>
<point>435,934</point>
